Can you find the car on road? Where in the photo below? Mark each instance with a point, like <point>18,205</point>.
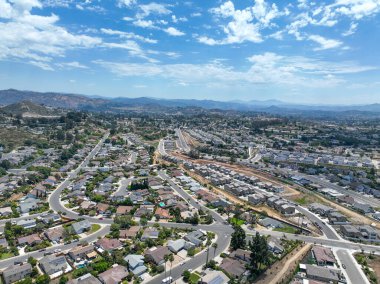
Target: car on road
<point>167,280</point>
<point>17,262</point>
<point>41,250</point>
<point>57,250</point>
<point>182,263</point>
<point>344,266</point>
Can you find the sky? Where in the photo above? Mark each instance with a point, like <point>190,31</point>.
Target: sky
<point>310,52</point>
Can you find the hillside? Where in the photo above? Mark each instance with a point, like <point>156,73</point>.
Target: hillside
<point>57,100</point>
<point>28,109</point>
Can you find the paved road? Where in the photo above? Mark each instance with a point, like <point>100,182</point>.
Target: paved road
<point>356,195</point>
<point>22,258</point>
<point>342,244</point>
<point>329,232</point>
<point>161,148</point>
<point>133,158</point>
<point>353,271</point>
<point>181,141</point>
<point>123,188</point>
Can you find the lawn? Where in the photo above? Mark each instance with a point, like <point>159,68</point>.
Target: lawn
<point>6,255</point>
<point>94,228</point>
<point>301,201</point>
<point>286,229</point>
<point>237,221</point>
<point>194,278</point>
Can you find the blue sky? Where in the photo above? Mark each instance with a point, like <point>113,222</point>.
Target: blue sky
<point>315,52</point>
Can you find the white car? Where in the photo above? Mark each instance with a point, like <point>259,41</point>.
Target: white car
<point>167,280</point>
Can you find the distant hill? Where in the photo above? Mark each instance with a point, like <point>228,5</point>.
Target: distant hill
<point>73,101</point>
<point>59,100</point>
<point>28,109</point>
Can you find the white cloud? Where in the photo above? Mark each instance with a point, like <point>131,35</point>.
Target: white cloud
<point>351,30</point>
<point>324,42</point>
<point>144,24</point>
<point>196,14</point>
<point>267,68</point>
<point>38,38</point>
<point>152,8</point>
<point>239,30</point>
<point>173,32</point>
<point>125,3</point>
<point>133,49</point>
<point>127,35</point>
<point>73,64</point>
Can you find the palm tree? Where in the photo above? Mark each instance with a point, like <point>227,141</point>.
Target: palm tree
<point>166,258</point>
<point>171,259</point>
<point>215,246</point>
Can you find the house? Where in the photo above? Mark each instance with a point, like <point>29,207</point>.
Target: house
<point>275,246</point>
<point>123,210</point>
<point>102,208</point>
<point>256,199</point>
<point>346,199</point>
<point>50,218</point>
<point>28,204</point>
<point>323,256</point>
<point>27,224</point>
<point>30,240</point>
<point>323,274</point>
<point>241,254</point>
<point>85,279</point>
<point>150,233</point>
<point>271,223</point>
<point>214,277</point>
<point>129,233</point>
<point>196,237</point>
<point>81,227</point>
<point>114,275</point>
<point>233,267</point>
<point>368,232</point>
<point>320,209</point>
<point>16,273</point>
<point>350,231</point>
<point>287,209</point>
<point>157,254</point>
<point>52,264</point>
<point>362,208</point>
<point>109,245</point>
<point>6,211</point>
<point>54,234</point>
<point>178,245</point>
<point>337,218</point>
<point>162,213</point>
<point>81,252</point>
<point>136,264</point>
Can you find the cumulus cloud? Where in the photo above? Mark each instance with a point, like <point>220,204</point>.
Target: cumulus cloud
<point>38,38</point>
<point>325,43</point>
<point>125,3</point>
<point>174,32</point>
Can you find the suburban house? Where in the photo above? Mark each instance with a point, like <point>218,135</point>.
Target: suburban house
<point>323,256</point>
<point>323,274</point>
<point>129,233</point>
<point>81,227</point>
<point>156,255</point>
<point>81,252</point>
<point>214,277</point>
<point>116,274</point>
<point>16,273</point>
<point>30,240</point>
<point>136,264</point>
<point>54,234</point>
<point>109,245</point>
<point>54,265</point>
<point>233,267</point>
<point>85,279</point>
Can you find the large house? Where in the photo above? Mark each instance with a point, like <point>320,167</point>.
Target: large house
<point>114,275</point>
<point>16,273</point>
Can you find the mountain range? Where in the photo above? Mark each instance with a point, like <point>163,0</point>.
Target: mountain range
<point>82,102</point>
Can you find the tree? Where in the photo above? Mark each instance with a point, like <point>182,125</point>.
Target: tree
<point>63,280</point>
<point>171,259</point>
<point>259,253</point>
<point>43,279</point>
<point>186,275</point>
<point>238,238</point>
<point>215,246</point>
<point>166,258</point>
